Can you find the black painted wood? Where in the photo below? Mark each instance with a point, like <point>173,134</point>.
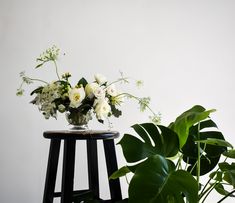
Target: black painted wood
<point>111,163</point>
<point>92,162</point>
<point>81,135</point>
<point>51,171</point>
<point>70,138</point>
<point>68,171</point>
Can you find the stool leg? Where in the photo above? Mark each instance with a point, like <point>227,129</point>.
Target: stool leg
<point>51,171</point>
<point>92,162</point>
<point>68,171</point>
<point>111,162</point>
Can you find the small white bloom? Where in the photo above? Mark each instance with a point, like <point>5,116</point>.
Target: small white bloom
<point>76,96</point>
<point>90,89</point>
<point>111,90</point>
<point>99,93</point>
<point>102,109</point>
<point>100,79</point>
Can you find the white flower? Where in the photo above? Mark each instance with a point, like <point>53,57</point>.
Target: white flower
<point>100,79</point>
<point>111,90</point>
<point>102,109</point>
<point>99,93</point>
<point>90,89</point>
<point>76,95</point>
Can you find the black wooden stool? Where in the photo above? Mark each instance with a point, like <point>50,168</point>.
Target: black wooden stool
<point>67,193</point>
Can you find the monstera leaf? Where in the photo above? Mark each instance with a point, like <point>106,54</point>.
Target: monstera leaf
<point>164,142</point>
<point>212,145</point>
<point>187,119</point>
<point>156,181</point>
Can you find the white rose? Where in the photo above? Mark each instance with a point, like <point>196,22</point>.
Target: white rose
<point>102,109</point>
<point>90,89</point>
<point>76,95</point>
<point>100,79</point>
<point>99,93</point>
<point>111,90</point>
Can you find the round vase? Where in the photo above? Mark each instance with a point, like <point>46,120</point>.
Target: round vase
<point>78,120</point>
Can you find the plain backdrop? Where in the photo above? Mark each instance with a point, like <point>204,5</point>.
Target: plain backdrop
<point>182,50</point>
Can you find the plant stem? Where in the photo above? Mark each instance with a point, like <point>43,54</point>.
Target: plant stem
<point>39,80</point>
<point>199,157</point>
<point>209,190</point>
<point>226,196</point>
<point>56,69</point>
<point>138,99</point>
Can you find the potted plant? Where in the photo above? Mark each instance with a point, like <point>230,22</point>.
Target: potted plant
<point>167,162</point>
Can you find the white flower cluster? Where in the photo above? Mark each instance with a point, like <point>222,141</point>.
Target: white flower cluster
<point>45,100</point>
<point>103,95</point>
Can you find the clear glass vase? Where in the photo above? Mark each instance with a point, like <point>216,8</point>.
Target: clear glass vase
<point>78,120</point>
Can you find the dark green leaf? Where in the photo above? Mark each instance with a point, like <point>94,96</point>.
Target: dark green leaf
<point>220,189</point>
<point>230,153</point>
<point>216,176</point>
<point>38,90</point>
<point>224,166</point>
<point>229,176</point>
<point>82,82</point>
<point>155,181</point>
<point>39,65</point>
<point>210,154</point>
<point>115,112</point>
<point>165,143</point>
<point>216,142</point>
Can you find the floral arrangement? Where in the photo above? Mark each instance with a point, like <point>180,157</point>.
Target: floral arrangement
<point>99,97</point>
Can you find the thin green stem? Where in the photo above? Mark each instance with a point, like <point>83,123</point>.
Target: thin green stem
<point>116,81</point>
<point>138,99</point>
<point>56,69</point>
<point>198,156</point>
<point>209,190</point>
<point>39,80</point>
<point>178,165</point>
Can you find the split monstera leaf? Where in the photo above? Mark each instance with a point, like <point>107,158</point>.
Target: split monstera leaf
<point>167,162</point>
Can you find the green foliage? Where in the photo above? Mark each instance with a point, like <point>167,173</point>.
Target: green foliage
<point>164,143</point>
<point>187,119</point>
<point>195,144</point>
<point>82,82</point>
<point>155,181</point>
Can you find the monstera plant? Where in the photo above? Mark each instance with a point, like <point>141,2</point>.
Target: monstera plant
<point>167,162</point>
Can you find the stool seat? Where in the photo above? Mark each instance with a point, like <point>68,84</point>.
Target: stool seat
<point>69,138</point>
<point>81,134</point>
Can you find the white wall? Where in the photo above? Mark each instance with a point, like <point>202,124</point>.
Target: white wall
<point>183,50</point>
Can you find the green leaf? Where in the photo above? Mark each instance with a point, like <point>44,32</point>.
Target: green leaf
<point>216,176</point>
<point>224,166</point>
<point>39,65</point>
<point>153,142</point>
<point>115,112</point>
<point>38,90</point>
<point>220,189</point>
<point>82,82</point>
<point>155,181</point>
<point>216,142</point>
<point>187,119</point>
<point>230,153</point>
<point>229,176</point>
<point>210,154</point>
<point>120,172</point>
